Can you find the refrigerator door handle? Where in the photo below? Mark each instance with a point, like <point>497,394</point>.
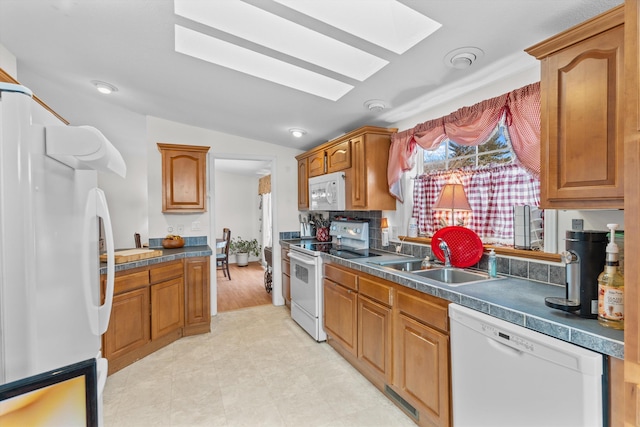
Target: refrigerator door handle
<point>104,311</point>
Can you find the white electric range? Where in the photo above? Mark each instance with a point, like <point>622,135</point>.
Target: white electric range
<point>349,239</point>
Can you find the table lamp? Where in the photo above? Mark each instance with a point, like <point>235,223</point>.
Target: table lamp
<point>452,197</point>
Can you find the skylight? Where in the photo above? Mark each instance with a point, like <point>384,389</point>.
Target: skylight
<point>216,51</point>
<point>386,23</point>
<point>266,29</point>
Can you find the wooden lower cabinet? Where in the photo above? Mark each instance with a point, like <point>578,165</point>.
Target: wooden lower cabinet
<point>197,313</point>
<point>341,315</point>
<point>422,370</point>
<point>167,307</point>
<point>129,324</point>
<point>374,337</point>
<point>286,276</point>
<point>154,306</point>
<point>398,338</point>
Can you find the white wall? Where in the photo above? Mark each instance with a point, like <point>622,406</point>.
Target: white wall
<point>236,207</point>
<point>284,185</point>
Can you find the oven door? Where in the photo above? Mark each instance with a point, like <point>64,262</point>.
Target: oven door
<point>305,277</point>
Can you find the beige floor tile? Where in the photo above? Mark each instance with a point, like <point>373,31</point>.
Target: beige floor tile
<point>256,368</point>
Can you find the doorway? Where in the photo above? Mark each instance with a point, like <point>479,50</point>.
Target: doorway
<point>234,203</point>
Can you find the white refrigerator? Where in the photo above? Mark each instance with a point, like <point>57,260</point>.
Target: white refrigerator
<point>51,313</point>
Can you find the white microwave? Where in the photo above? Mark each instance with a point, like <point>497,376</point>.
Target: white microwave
<point>327,192</point>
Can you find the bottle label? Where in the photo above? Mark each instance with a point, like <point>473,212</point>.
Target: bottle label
<point>610,303</point>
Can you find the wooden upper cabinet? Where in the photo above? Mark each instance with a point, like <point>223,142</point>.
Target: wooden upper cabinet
<point>364,155</point>
<point>339,157</point>
<point>582,101</point>
<point>184,172</point>
<point>316,164</point>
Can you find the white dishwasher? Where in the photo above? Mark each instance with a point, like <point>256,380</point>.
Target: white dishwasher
<point>507,375</point>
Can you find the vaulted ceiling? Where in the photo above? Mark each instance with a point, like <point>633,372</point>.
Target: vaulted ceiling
<point>232,68</point>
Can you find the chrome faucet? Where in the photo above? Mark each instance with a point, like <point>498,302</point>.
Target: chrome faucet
<point>447,253</point>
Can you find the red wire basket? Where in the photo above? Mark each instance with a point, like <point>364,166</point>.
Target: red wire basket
<point>464,244</point>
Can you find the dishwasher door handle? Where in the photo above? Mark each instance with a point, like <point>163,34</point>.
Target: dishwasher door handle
<point>300,259</point>
<point>504,347</point>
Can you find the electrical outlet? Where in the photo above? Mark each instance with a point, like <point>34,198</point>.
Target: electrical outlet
<point>577,224</point>
<point>394,232</point>
<point>180,228</point>
<point>195,226</point>
<point>170,229</point>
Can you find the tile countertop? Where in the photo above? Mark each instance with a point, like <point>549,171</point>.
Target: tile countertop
<point>518,301</point>
<point>167,255</point>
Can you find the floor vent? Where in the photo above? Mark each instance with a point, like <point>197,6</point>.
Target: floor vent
<point>413,412</point>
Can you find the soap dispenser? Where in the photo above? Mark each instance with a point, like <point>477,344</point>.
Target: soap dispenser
<point>611,287</point>
<point>493,264</point>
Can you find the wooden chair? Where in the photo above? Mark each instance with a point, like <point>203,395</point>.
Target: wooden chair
<point>222,258</point>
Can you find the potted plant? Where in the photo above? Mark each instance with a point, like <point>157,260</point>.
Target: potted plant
<point>243,248</point>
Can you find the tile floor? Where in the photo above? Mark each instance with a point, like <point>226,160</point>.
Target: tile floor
<point>256,368</point>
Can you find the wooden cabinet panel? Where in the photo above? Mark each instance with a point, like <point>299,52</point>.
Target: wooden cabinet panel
<point>303,183</point>
<point>167,307</point>
<point>582,102</point>
<point>129,323</point>
<point>184,170</point>
<point>375,289</point>
<point>374,337</point>
<point>422,370</point>
<point>340,315</point>
<point>341,276</point>
<point>286,276</point>
<point>126,282</point>
<point>339,157</point>
<point>425,308</point>
<point>197,296</point>
<point>166,271</point>
<point>316,164</point>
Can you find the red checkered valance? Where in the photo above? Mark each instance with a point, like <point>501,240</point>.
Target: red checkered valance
<point>492,192</point>
<point>472,126</point>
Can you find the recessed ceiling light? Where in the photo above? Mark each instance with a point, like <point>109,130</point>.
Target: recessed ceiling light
<point>104,87</point>
<point>220,52</point>
<point>297,132</point>
<point>375,105</point>
<point>463,58</point>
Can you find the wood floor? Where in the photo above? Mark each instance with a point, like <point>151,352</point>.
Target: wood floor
<point>245,289</point>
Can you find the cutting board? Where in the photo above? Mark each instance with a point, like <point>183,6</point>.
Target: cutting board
<point>129,255</point>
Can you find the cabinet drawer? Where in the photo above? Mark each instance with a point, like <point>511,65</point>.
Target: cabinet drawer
<point>428,310</point>
<point>167,271</point>
<point>130,281</point>
<point>375,290</point>
<point>341,277</point>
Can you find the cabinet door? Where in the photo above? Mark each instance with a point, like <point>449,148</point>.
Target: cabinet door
<point>167,307</point>
<point>184,170</point>
<point>129,323</point>
<point>374,337</point>
<point>197,296</point>
<point>582,139</point>
<point>358,174</point>
<point>303,184</point>
<point>339,157</point>
<point>422,369</point>
<point>316,164</point>
<point>341,315</point>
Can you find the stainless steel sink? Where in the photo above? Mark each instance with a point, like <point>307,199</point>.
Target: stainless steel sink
<point>410,265</point>
<point>453,276</point>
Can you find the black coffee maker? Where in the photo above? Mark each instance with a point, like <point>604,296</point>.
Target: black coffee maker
<point>584,261</point>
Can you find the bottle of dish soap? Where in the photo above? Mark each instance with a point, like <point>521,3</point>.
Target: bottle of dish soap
<point>611,287</point>
<point>493,264</point>
<point>426,263</point>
